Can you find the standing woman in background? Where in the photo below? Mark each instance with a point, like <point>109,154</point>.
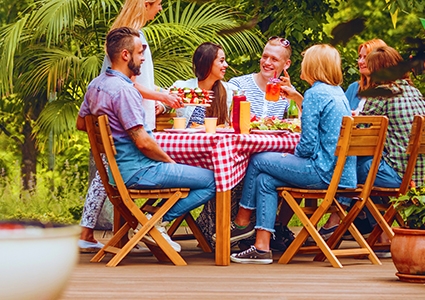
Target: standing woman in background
<point>134,14</point>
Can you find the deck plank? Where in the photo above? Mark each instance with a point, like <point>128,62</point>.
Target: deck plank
<point>142,277</point>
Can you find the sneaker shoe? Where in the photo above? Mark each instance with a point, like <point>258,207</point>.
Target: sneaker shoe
<point>383,253</point>
<point>89,247</point>
<point>161,227</point>
<point>237,234</point>
<point>247,243</point>
<point>282,238</point>
<point>363,225</point>
<point>324,232</point>
<point>252,256</point>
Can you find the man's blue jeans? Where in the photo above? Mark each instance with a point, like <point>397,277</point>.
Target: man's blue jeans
<point>166,175</point>
<point>386,177</point>
<point>269,170</point>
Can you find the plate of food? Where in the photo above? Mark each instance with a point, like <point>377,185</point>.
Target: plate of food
<point>193,96</point>
<point>185,130</point>
<point>271,132</point>
<point>274,125</point>
<point>224,129</point>
<point>196,104</point>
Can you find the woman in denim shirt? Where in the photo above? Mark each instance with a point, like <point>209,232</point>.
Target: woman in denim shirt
<point>323,107</point>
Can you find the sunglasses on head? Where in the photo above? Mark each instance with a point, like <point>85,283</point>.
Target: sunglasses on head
<point>284,42</point>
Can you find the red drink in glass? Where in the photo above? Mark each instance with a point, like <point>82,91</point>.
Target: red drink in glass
<point>273,90</point>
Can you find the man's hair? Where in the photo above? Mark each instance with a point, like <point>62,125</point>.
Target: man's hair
<point>119,39</point>
<point>277,42</point>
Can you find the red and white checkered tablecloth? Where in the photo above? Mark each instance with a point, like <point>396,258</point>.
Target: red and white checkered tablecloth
<point>226,154</point>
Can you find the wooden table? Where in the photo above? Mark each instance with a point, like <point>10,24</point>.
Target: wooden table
<point>228,156</point>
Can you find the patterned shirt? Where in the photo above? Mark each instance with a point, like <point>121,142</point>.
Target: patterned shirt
<point>112,93</point>
<point>324,106</point>
<point>406,102</point>
<point>259,105</point>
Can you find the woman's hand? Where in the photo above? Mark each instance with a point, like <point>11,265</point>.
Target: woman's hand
<point>286,79</point>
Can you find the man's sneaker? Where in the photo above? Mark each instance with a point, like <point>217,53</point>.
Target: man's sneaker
<point>324,232</point>
<point>161,227</point>
<point>237,234</point>
<point>282,238</point>
<point>252,256</point>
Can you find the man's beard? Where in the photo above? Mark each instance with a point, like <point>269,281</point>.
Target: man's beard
<point>134,67</point>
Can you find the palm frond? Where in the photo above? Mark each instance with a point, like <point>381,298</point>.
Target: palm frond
<point>58,118</point>
<point>10,37</point>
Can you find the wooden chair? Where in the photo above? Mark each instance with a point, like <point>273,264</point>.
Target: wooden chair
<point>415,147</point>
<point>122,198</point>
<point>354,140</point>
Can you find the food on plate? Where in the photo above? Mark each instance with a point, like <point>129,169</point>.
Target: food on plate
<point>192,96</point>
<point>274,123</point>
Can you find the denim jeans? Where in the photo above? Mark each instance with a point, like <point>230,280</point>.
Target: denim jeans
<point>269,170</point>
<point>166,175</point>
<point>386,177</point>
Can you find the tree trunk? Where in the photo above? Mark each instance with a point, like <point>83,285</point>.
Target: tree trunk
<point>34,104</point>
<point>29,158</point>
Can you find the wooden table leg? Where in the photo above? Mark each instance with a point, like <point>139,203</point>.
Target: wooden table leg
<point>222,245</point>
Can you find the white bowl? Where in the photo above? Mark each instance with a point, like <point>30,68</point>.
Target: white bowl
<point>36,262</point>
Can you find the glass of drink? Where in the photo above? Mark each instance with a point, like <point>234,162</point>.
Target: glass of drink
<point>273,89</point>
<point>179,123</point>
<point>210,125</point>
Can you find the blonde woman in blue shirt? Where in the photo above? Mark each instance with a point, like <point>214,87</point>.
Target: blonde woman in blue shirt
<point>324,106</point>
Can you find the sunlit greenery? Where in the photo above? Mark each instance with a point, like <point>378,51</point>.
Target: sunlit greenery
<point>51,49</point>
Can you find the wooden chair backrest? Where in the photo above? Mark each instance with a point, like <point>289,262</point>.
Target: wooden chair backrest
<point>415,147</point>
<point>359,136</point>
<point>368,139</point>
<point>341,152</point>
<point>98,148</point>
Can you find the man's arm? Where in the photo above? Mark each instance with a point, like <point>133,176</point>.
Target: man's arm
<point>81,124</point>
<point>147,145</point>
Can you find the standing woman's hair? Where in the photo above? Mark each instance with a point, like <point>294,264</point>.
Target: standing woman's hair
<point>322,63</point>
<point>369,46</point>
<point>133,14</point>
<point>202,62</point>
<point>383,58</point>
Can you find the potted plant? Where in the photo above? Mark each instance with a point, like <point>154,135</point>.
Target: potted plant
<point>37,258</point>
<point>408,243</point>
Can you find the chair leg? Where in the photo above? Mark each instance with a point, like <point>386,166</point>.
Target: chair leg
<point>197,233</point>
<point>309,228</point>
<point>115,241</point>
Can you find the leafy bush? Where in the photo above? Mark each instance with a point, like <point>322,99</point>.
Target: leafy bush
<point>58,197</point>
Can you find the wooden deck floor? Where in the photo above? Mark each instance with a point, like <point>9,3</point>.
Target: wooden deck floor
<point>142,277</point>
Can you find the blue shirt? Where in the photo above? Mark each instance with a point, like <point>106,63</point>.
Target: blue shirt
<point>352,95</point>
<point>323,107</point>
<point>260,107</point>
<point>113,94</point>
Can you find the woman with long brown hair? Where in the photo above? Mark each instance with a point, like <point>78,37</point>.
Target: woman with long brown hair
<point>209,66</point>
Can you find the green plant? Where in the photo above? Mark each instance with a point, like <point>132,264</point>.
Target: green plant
<point>58,196</point>
<point>411,207</point>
